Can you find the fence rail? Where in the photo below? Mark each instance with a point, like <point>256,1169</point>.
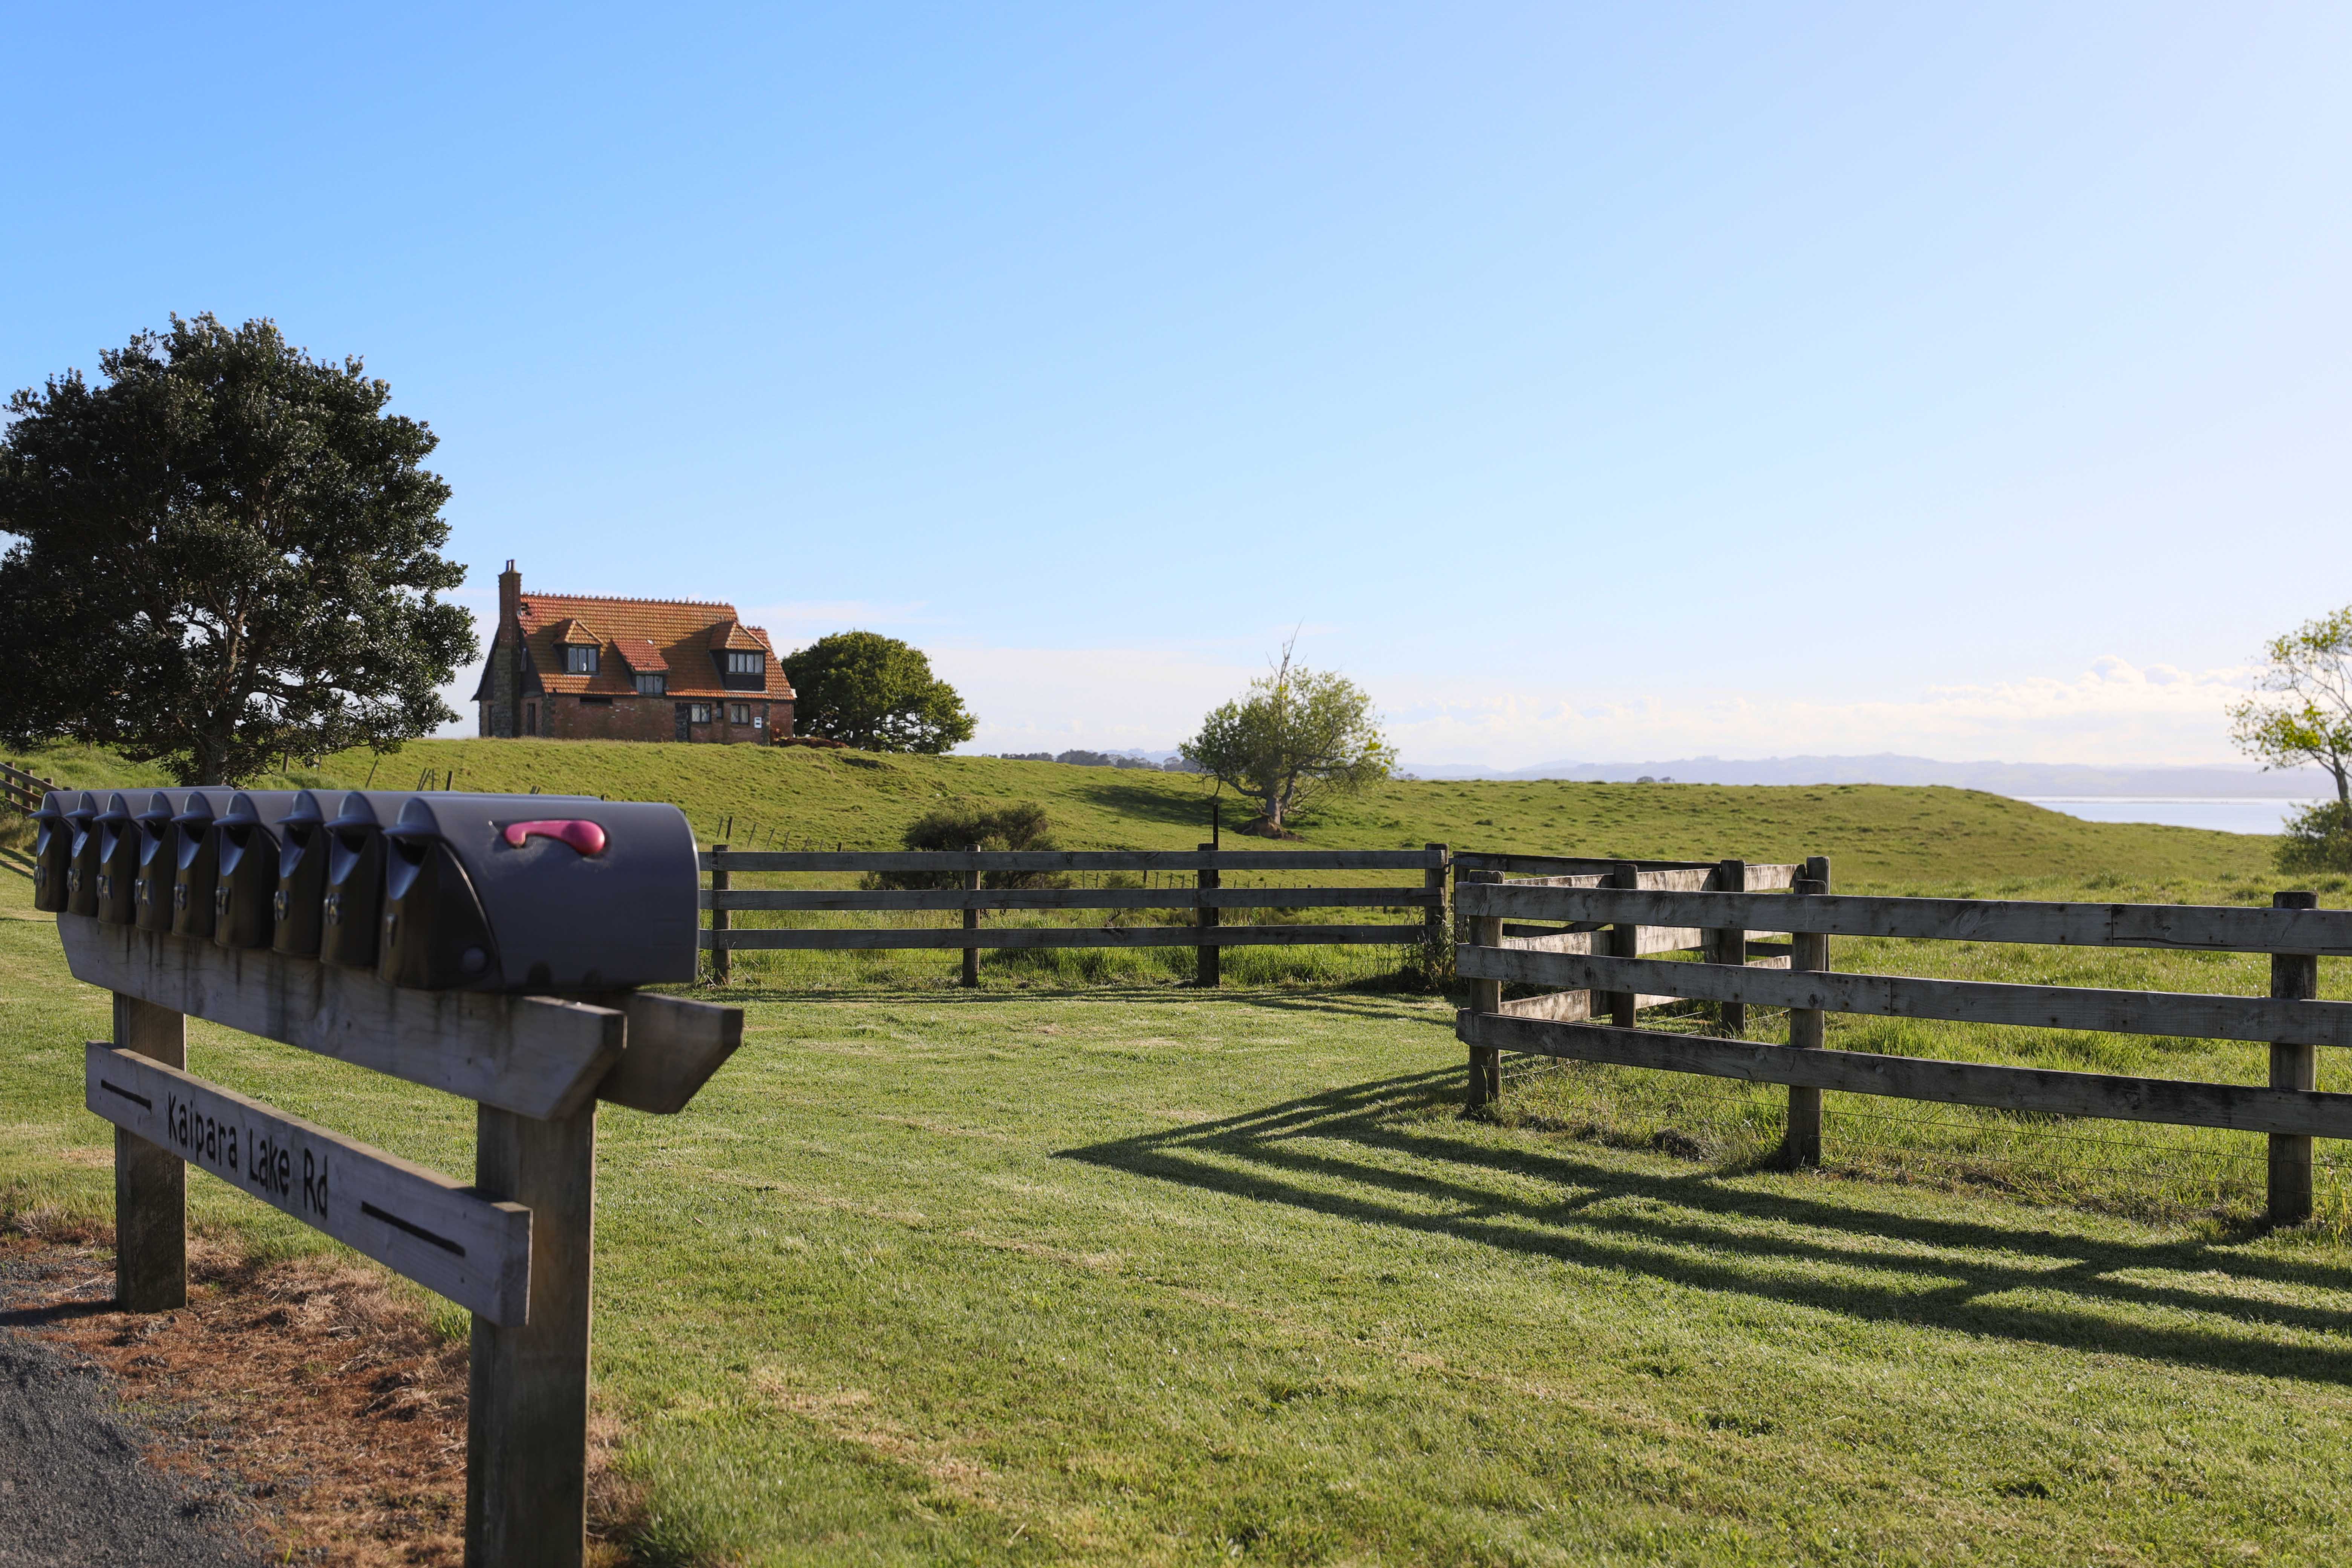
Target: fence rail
<point>2291,1020</point>
<point>20,791</point>
<point>1207,899</point>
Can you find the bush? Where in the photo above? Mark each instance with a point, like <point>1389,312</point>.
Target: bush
<point>2318,838</point>
<point>1021,826</point>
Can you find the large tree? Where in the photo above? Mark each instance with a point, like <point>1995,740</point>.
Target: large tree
<point>224,552</point>
<point>2302,710</point>
<point>1293,735</point>
<point>875,693</point>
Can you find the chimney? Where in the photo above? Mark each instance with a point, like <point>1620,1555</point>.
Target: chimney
<point>509,595</point>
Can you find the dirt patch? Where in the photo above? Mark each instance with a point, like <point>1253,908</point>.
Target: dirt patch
<point>324,1393</point>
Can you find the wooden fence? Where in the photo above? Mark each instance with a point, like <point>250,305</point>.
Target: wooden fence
<point>21,792</point>
<point>2293,931</point>
<point>1206,898</point>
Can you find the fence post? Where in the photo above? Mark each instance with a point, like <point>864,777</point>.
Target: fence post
<point>2294,977</point>
<point>1208,918</point>
<point>527,1384</point>
<point>1808,1027</point>
<point>1729,946</point>
<point>719,951</point>
<point>1485,996</point>
<point>1624,941</point>
<point>151,1183</point>
<point>1432,879</point>
<point>972,922</point>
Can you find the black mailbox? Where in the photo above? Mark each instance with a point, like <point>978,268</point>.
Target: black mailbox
<point>118,860</point>
<point>159,859</point>
<point>538,893</point>
<point>53,848</point>
<point>295,907</point>
<point>352,911</point>
<point>196,870</point>
<point>82,877</point>
<point>245,881</point>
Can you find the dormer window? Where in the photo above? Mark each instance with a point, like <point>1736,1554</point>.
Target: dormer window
<point>579,661</point>
<point>752,663</point>
<point>656,685</point>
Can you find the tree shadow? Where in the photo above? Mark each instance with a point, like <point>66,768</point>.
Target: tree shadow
<point>1373,1153</point>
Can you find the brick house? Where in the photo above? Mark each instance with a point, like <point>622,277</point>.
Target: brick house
<point>572,668</point>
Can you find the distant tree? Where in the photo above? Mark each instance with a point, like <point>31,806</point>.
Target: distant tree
<point>875,693</point>
<point>1293,735</point>
<point>2305,712</point>
<point>226,552</point>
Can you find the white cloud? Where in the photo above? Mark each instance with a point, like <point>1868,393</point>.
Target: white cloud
<point>2114,712</point>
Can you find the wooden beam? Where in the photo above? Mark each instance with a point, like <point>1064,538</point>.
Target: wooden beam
<point>1916,1077</point>
<point>1650,939</point>
<point>674,1045</point>
<point>2215,928</point>
<point>527,1388</point>
<point>856,938</point>
<point>1075,860</point>
<point>416,1222</point>
<point>151,1183</point>
<point>2294,1064</point>
<point>811,900</point>
<point>535,1056</point>
<point>2175,1014</point>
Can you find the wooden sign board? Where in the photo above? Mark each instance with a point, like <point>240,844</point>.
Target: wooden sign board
<point>414,1221</point>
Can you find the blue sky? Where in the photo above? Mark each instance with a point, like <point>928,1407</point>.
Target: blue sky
<point>1591,383</point>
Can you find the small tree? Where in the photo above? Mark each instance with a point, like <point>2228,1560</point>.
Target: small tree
<point>226,552</point>
<point>875,693</point>
<point>2306,713</point>
<point>1293,735</point>
<point>1021,825</point>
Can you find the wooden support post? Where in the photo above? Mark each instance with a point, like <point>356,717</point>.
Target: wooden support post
<point>151,1183</point>
<point>1808,1027</point>
<point>1624,941</point>
<point>1432,919</point>
<point>1211,971</point>
<point>1729,945</point>
<point>1485,996</point>
<point>719,966</point>
<point>972,922</point>
<point>2294,976</point>
<point>526,1416</point>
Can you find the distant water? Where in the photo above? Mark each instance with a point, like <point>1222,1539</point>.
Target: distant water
<point>2225,815</point>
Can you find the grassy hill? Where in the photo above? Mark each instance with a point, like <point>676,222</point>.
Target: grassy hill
<point>1879,837</point>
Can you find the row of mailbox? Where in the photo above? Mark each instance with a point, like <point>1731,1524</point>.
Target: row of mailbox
<point>440,892</point>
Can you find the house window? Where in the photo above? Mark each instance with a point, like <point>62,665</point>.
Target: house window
<point>653,685</point>
<point>745,663</point>
<point>579,661</point>
<point>697,713</point>
<point>739,712</point>
<point>530,718</point>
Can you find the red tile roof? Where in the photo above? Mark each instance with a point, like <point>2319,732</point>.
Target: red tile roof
<point>679,637</point>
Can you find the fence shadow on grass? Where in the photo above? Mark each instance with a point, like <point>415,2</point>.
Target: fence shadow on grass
<point>1370,1152</point>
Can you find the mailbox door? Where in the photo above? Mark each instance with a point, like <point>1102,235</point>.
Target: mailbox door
<point>245,884</point>
<point>159,862</point>
<point>196,869</point>
<point>117,862</point>
<point>435,935</point>
<point>295,906</point>
<point>52,851</point>
<point>82,880</point>
<point>351,915</point>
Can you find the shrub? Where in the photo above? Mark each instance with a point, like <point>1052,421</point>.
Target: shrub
<point>2318,838</point>
<point>1020,826</point>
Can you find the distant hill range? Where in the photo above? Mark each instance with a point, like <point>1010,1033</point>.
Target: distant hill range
<point>2223,781</point>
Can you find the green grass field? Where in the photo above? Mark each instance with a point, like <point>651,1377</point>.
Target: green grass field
<point>1121,1272</point>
